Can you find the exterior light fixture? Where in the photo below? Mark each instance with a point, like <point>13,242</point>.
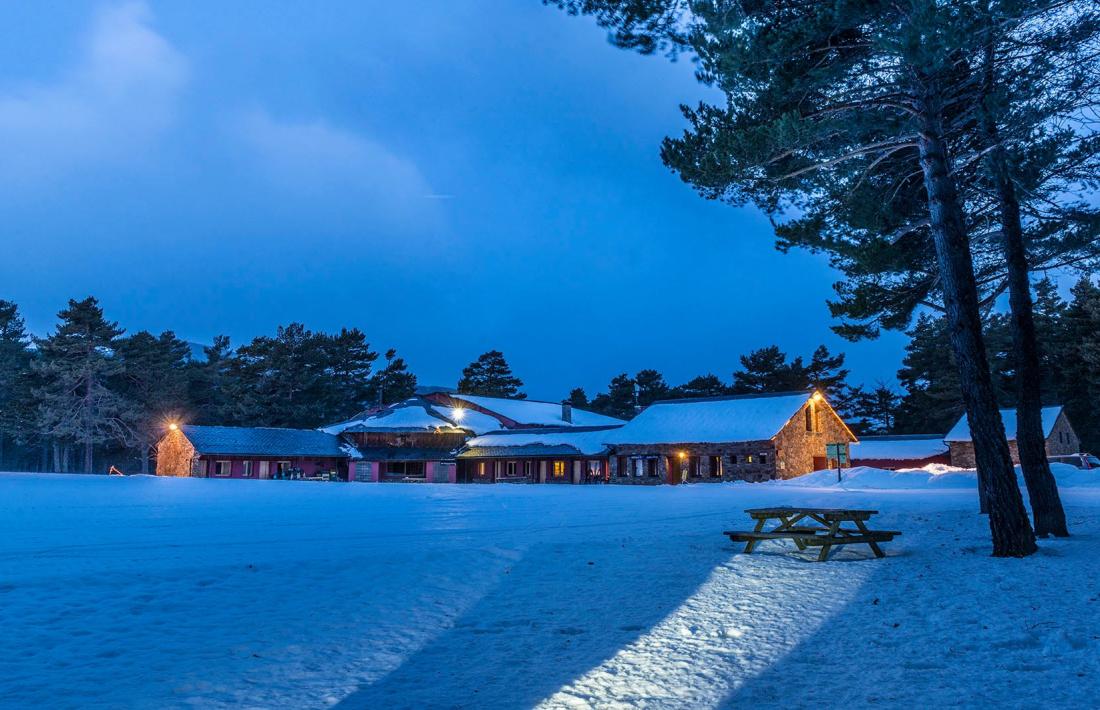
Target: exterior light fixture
<point>459,413</point>
<point>817,397</point>
<point>173,426</point>
<point>682,455</point>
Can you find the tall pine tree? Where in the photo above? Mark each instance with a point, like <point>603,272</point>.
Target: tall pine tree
<point>490,376</point>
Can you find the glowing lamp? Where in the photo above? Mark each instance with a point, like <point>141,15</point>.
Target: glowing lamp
<point>459,413</point>
<point>682,455</point>
<point>818,397</point>
<point>173,426</point>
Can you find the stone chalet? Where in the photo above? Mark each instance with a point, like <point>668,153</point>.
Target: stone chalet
<point>737,438</point>
<point>1060,437</point>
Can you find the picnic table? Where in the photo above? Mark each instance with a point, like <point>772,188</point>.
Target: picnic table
<point>814,527</point>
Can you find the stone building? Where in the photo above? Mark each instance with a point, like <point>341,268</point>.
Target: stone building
<point>737,438</point>
<point>1060,437</point>
<point>895,451</point>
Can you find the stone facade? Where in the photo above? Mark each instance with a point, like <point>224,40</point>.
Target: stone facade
<point>800,444</point>
<point>798,448</point>
<point>174,455</point>
<point>1061,442</point>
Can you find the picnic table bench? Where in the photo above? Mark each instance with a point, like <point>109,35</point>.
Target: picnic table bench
<point>814,527</point>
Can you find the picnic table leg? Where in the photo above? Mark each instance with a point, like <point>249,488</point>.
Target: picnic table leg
<point>874,545</point>
<point>787,524</point>
<point>834,527</point>
<point>752,543</point>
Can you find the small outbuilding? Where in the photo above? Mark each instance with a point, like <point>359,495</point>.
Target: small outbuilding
<point>893,452</point>
<point>755,437</point>
<point>1060,438</point>
<point>252,452</point>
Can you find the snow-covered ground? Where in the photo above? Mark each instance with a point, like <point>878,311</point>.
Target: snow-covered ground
<point>160,593</point>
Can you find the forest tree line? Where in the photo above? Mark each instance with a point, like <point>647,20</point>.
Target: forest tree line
<point>89,395</point>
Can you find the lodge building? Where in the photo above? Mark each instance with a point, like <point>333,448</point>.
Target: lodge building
<point>1060,437</point>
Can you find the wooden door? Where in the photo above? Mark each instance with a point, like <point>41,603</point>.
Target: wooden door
<point>820,463</point>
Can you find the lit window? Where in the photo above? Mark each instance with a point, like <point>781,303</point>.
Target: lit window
<point>559,469</point>
<point>748,458</point>
<point>481,468</point>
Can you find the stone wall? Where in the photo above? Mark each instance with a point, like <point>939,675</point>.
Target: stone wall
<point>797,448</point>
<point>174,455</point>
<point>739,461</point>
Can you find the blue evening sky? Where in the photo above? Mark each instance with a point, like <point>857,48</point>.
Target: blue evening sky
<point>449,176</point>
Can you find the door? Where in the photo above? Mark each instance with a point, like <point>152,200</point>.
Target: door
<point>820,463</point>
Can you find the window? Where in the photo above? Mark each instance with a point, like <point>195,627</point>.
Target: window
<point>748,458</point>
<point>529,469</point>
<point>481,469</point>
<point>559,469</point>
<point>282,468</point>
<point>265,469</point>
<point>404,469</point>
<point>810,417</point>
<point>715,466</point>
<point>763,458</point>
<point>623,463</point>
<point>510,469</point>
<point>246,469</point>
<point>223,468</point>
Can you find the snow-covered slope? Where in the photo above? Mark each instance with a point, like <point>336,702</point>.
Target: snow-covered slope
<point>141,592</point>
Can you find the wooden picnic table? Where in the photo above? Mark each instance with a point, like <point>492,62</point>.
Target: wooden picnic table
<point>813,527</point>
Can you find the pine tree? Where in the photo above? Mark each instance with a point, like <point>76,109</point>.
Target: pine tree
<point>620,400</point>
<point>821,93</point>
<point>708,385</point>
<point>394,382</point>
<point>651,387</point>
<point>490,376</point>
<point>15,381</point>
<point>154,382</point>
<point>75,402</point>
<point>767,370</point>
<point>348,385</point>
<point>875,411</point>
<point>1078,362</point>
<point>212,386</point>
<point>577,398</point>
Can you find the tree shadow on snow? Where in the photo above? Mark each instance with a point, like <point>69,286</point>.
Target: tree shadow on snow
<point>560,611</point>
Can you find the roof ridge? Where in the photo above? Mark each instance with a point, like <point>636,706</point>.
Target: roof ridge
<point>726,397</point>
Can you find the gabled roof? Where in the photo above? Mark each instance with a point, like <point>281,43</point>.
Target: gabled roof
<point>561,441</point>
<point>529,412</point>
<point>263,441</point>
<point>961,430</point>
<point>899,447</point>
<point>711,420</point>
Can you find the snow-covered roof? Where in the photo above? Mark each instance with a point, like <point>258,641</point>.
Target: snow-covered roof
<point>262,441</point>
<point>469,419</point>
<point>587,441</point>
<point>899,448</point>
<point>417,414</point>
<point>711,420</point>
<point>961,430</point>
<point>535,413</point>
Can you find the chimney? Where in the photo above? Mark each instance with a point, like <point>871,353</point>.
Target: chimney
<point>567,412</point>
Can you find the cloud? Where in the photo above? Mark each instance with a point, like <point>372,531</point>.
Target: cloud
<point>328,166</point>
<point>118,99</point>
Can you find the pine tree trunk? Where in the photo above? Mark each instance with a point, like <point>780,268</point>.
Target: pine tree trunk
<point>1042,489</point>
<point>1008,522</point>
<point>146,452</point>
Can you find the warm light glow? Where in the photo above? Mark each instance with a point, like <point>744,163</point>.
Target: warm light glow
<point>818,397</point>
<point>682,455</point>
<point>173,426</point>
<point>459,413</point>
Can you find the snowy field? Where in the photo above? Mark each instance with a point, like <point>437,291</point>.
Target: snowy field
<point>169,593</point>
